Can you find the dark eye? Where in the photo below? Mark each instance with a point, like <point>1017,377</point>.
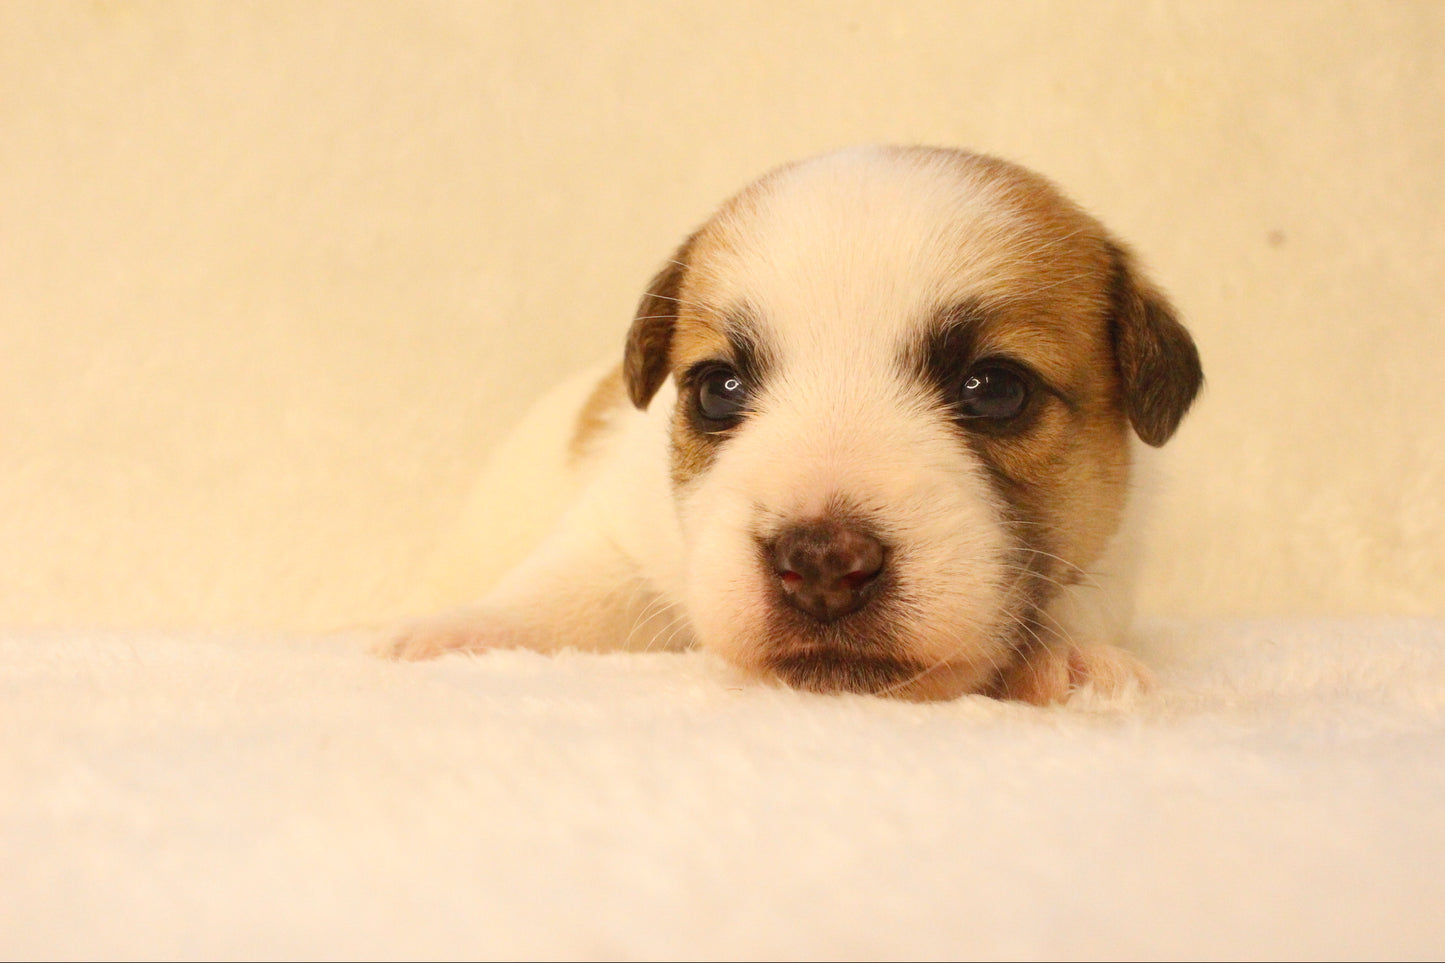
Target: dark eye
<point>993,393</point>
<point>721,398</point>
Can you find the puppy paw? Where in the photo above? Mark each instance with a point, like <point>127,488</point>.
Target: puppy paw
<point>1055,673</point>
<point>1107,671</point>
<point>432,637</point>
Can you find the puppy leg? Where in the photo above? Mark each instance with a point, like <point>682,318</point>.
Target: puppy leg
<point>575,591</point>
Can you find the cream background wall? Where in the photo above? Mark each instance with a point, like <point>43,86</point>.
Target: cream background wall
<point>275,277</point>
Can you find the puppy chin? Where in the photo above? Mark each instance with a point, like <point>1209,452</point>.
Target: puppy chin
<point>838,658</point>
<point>832,668</point>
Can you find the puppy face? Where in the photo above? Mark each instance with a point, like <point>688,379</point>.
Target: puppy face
<point>905,383</point>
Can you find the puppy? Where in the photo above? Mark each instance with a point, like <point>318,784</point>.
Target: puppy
<point>870,433</point>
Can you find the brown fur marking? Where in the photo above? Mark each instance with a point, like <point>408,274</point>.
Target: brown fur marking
<point>607,396</point>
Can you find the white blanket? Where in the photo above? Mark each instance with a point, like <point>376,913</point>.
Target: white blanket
<point>1279,794</point>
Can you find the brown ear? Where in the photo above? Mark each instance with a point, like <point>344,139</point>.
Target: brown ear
<point>1158,363</point>
<point>649,341</point>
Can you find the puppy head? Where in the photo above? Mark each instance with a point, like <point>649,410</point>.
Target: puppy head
<point>906,378</point>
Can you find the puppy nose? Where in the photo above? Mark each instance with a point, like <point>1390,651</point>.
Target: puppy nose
<point>826,568</point>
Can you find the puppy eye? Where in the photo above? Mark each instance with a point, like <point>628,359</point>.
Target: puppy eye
<point>721,398</point>
<point>992,393</point>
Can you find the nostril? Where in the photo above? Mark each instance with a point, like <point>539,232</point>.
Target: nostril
<point>867,560</point>
<point>826,568</point>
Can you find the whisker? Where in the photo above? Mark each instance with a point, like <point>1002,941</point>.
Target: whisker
<point>675,300</point>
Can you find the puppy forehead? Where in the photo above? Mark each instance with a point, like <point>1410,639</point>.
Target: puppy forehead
<point>868,244</point>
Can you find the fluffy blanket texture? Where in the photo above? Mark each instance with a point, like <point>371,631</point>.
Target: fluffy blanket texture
<point>1278,795</point>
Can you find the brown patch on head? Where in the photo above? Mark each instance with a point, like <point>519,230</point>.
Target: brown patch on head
<point>704,341</point>
<point>676,329</point>
<point>1102,350</point>
<point>691,451</point>
<point>1060,464</point>
<point>1068,254</point>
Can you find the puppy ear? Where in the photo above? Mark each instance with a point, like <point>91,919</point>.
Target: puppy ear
<point>1158,363</point>
<point>649,342</point>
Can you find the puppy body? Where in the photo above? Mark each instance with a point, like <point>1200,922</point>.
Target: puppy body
<point>870,433</point>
